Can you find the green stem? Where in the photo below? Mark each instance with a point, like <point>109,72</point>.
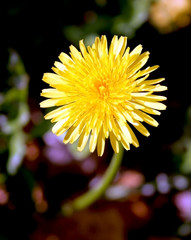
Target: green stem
<point>95,193</point>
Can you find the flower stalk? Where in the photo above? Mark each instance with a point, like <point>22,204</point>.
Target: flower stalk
<point>95,193</point>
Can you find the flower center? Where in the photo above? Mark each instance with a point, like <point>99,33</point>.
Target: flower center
<point>102,89</point>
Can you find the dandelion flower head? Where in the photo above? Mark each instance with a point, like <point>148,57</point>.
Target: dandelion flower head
<point>101,92</point>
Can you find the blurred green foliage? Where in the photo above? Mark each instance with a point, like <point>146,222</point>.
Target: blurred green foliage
<point>14,113</point>
<point>182,147</point>
<point>130,16</point>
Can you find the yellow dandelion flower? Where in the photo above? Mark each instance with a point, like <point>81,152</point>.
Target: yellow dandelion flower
<point>100,93</point>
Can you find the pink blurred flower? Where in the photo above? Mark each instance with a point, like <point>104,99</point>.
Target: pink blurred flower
<point>182,201</point>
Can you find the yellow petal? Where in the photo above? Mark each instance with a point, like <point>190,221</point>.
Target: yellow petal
<point>154,88</point>
<point>59,128</point>
<point>120,46</point>
<point>148,70</point>
<point>151,98</point>
<point>133,137</point>
<point>136,51</point>
<point>159,88</point>
<point>155,81</point>
<point>65,59</point>
<point>83,140</point>
<point>113,45</point>
<point>55,113</point>
<point>60,66</point>
<point>151,111</point>
<point>137,64</point>
<point>65,113</point>
<point>74,132</point>
<point>104,45</point>
<point>125,144</point>
<point>75,54</point>
<point>142,129</point>
<point>52,78</point>
<point>124,131</point>
<point>83,48</point>
<point>114,142</point>
<point>115,128</point>
<point>147,118</point>
<point>93,140</point>
<point>155,105</point>
<point>52,93</point>
<point>136,116</point>
<point>101,142</point>
<point>48,103</point>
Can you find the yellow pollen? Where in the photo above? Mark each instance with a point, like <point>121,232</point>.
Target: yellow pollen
<point>102,91</point>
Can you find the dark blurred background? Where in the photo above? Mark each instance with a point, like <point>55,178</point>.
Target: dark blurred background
<point>150,198</point>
